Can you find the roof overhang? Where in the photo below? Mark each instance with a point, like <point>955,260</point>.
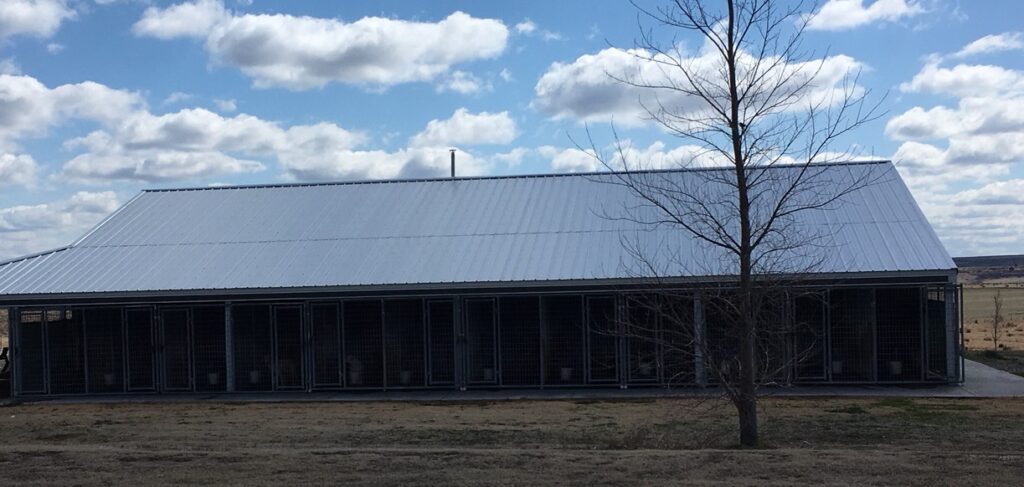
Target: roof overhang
<point>937,277</point>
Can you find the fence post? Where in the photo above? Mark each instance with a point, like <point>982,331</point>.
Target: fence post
<point>699,374</point>
<point>459,322</point>
<point>952,331</point>
<point>13,319</point>
<point>229,348</point>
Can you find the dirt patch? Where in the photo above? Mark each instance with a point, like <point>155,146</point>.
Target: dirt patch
<point>807,440</point>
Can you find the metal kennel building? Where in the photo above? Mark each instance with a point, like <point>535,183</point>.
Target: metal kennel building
<point>481,282</point>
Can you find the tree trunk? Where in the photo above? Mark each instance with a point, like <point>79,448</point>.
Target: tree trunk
<point>746,399</point>
<point>747,409</point>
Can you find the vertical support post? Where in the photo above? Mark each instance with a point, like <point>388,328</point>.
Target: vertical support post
<point>826,314</point>
<point>874,334</point>
<point>425,330</point>
<point>496,341</point>
<point>13,319</point>
<point>304,347</point>
<point>585,313</point>
<point>85,344</point>
<point>383,346</point>
<point>125,374</point>
<point>922,320</point>
<point>952,330</point>
<point>459,322</point>
<point>542,323</point>
<point>229,348</point>
<point>342,357</point>
<point>699,374</point>
<point>622,348</point>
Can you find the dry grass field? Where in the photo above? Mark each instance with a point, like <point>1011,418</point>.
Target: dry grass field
<point>978,307</point>
<point>668,441</point>
<point>4,324</point>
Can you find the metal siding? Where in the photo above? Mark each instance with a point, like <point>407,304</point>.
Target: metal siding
<point>535,228</point>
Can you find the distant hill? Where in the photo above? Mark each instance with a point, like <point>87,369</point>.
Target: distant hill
<point>990,261</point>
<point>991,269</point>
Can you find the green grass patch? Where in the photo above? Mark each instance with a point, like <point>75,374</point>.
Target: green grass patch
<point>852,409</point>
<point>924,410</point>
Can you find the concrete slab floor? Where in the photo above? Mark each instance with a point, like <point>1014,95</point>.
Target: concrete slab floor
<point>980,381</point>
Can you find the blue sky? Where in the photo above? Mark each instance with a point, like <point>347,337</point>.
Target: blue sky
<point>99,99</point>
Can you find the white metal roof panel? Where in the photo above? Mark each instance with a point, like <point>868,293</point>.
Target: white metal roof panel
<point>469,230</point>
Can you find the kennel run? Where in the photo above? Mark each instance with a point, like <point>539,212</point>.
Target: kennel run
<point>460,283</point>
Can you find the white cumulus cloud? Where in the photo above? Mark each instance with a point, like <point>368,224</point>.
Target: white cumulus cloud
<point>29,228</point>
<point>1007,41</point>
<point>849,14</point>
<point>225,105</point>
<point>191,19</point>
<point>587,89</point>
<point>464,83</point>
<point>965,80</point>
<point>194,143</point>
<point>959,160</point>
<point>37,18</point>
<point>624,155</point>
<point>306,52</point>
<point>17,169</point>
<point>29,108</point>
<point>464,127</point>
<point>527,26</point>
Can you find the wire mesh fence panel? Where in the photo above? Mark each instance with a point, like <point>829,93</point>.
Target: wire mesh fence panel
<point>326,344</point>
<point>31,352</point>
<point>177,349</point>
<point>66,351</point>
<point>253,350</point>
<point>564,340</point>
<point>721,340</point>
<point>677,338</point>
<point>899,333</point>
<point>104,349</point>
<point>519,322</point>
<point>852,314</point>
<point>480,338</point>
<point>603,346</point>
<point>141,353</point>
<point>809,336</point>
<point>288,338</point>
<point>773,330</point>
<point>641,329</point>
<point>364,343</point>
<point>441,328</point>
<point>209,348</point>
<point>936,322</point>
<point>404,336</point>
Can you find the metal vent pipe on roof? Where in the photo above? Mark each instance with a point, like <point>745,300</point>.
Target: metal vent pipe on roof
<point>453,162</point>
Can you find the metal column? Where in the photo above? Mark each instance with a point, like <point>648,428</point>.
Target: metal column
<point>699,374</point>
<point>952,334</point>
<point>229,349</point>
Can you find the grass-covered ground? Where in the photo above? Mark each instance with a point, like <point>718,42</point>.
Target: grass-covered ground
<point>978,310</point>
<point>1011,361</point>
<point>807,441</point>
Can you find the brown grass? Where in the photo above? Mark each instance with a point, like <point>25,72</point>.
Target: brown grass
<point>4,323</point>
<point>833,441</point>
<point>978,308</point>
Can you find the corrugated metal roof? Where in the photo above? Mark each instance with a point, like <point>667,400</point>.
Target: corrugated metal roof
<point>467,230</point>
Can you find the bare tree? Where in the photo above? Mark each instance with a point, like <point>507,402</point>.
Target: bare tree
<point>997,319</point>
<point>752,103</point>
